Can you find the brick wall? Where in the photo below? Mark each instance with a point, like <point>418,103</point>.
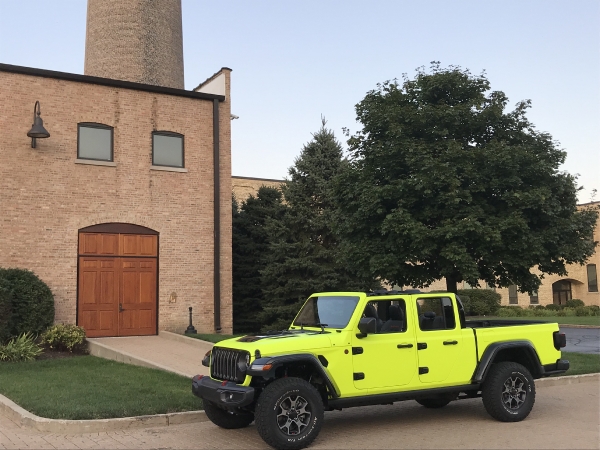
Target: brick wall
<point>244,187</point>
<point>46,197</point>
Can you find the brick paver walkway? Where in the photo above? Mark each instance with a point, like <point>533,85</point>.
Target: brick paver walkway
<point>564,417</point>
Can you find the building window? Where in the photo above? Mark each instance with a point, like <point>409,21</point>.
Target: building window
<point>592,278</point>
<point>94,141</point>
<point>513,298</point>
<point>561,292</point>
<point>167,149</point>
<point>533,298</point>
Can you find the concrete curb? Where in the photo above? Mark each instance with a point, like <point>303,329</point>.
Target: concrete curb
<point>28,420</point>
<point>572,379</point>
<point>103,351</point>
<point>591,327</point>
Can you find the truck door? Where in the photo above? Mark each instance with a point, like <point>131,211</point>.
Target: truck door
<point>439,339</point>
<point>387,358</point>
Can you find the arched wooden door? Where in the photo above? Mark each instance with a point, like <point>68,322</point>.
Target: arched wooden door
<point>117,280</point>
<point>561,292</point>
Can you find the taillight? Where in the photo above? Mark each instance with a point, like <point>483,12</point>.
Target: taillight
<point>560,340</point>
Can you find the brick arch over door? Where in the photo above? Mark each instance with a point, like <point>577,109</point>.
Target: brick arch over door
<point>117,280</point>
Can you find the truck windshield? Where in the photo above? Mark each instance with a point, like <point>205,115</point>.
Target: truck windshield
<point>331,312</point>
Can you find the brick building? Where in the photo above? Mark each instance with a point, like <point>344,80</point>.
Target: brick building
<point>244,187</point>
<point>115,210</point>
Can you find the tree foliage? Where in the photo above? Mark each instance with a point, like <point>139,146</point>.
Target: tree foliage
<point>304,254</point>
<point>250,246</point>
<point>443,181</point>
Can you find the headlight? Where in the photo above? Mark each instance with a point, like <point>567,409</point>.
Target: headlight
<point>206,359</point>
<point>243,361</point>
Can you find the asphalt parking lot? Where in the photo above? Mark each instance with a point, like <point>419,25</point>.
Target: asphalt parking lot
<point>564,417</point>
<point>582,340</point>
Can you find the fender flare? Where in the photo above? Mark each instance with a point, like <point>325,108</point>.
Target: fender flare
<point>489,355</point>
<point>278,361</point>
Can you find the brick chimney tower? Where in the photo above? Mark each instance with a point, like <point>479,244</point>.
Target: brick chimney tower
<point>135,40</point>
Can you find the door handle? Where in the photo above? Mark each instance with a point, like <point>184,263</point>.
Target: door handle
<point>450,342</point>
<point>404,346</point>
<point>120,307</point>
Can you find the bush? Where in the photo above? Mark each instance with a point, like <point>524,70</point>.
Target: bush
<point>508,311</point>
<point>479,302</point>
<point>575,303</point>
<point>5,313</point>
<point>22,348</point>
<point>553,307</point>
<point>32,302</point>
<point>64,337</point>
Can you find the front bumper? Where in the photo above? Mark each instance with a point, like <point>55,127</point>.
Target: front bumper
<point>560,366</point>
<point>224,394</point>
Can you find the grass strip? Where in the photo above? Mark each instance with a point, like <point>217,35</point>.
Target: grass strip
<point>87,387</point>
<point>581,363</point>
<point>561,320</point>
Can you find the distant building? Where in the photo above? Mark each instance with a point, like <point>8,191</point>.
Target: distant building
<point>244,187</point>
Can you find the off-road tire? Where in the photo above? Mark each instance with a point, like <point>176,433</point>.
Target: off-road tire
<point>508,392</point>
<point>289,414</point>
<point>435,402</point>
<point>226,419</point>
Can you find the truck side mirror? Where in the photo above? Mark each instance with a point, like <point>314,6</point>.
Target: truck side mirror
<point>367,325</point>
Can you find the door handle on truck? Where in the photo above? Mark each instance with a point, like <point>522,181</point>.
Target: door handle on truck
<point>450,342</point>
<point>404,346</point>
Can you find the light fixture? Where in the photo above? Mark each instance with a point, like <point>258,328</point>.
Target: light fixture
<point>37,129</point>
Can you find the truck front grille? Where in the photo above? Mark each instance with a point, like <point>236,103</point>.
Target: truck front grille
<point>224,364</point>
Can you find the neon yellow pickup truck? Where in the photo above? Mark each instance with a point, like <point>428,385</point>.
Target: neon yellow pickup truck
<point>347,349</point>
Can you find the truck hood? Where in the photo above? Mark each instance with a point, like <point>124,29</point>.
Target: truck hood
<point>280,342</point>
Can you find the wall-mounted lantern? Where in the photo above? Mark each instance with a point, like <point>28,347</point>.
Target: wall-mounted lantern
<point>37,129</point>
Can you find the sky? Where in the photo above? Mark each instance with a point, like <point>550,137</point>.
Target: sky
<point>295,61</point>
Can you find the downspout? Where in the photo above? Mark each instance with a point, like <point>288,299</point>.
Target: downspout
<point>217,218</point>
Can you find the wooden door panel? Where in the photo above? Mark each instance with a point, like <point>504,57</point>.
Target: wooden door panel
<point>138,297</point>
<point>98,296</point>
<point>138,245</point>
<point>98,244</point>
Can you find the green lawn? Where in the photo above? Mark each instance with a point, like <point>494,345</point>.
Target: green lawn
<point>581,363</point>
<point>568,320</point>
<point>214,338</point>
<point>87,387</point>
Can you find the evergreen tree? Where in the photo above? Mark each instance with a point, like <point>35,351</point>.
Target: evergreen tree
<point>250,243</point>
<point>304,256</point>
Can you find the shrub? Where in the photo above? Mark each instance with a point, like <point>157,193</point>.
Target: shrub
<point>64,337</point>
<point>32,302</point>
<point>22,348</point>
<point>575,303</point>
<point>479,302</point>
<point>508,311</point>
<point>553,307</point>
<point>5,313</point>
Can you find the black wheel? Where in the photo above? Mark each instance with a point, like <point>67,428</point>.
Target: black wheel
<point>436,402</point>
<point>508,392</point>
<point>226,419</point>
<point>289,414</point>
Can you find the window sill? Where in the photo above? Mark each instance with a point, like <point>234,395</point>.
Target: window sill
<point>92,162</point>
<point>169,169</point>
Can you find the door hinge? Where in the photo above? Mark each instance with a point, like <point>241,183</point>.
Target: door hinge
<point>423,370</point>
<point>359,376</point>
<point>421,345</point>
<point>357,350</point>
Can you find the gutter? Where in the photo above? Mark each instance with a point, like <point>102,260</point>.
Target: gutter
<point>217,219</point>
